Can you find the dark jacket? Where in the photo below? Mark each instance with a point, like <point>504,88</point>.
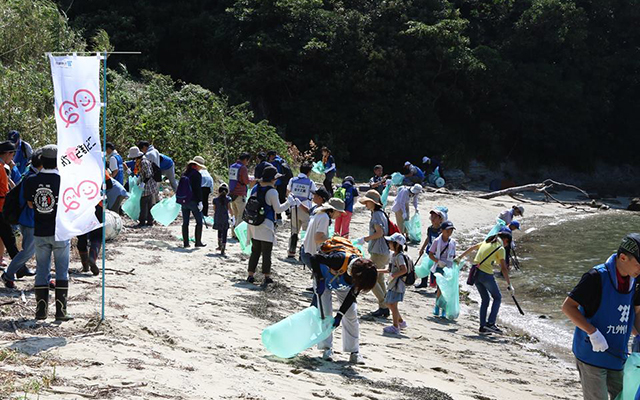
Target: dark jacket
<point>195,179</point>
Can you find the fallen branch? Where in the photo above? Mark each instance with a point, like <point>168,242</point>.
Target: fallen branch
<point>6,303</point>
<point>160,307</point>
<point>98,284</point>
<point>119,271</point>
<point>544,188</point>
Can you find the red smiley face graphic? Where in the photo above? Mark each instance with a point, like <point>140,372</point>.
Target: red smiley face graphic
<point>86,190</point>
<point>82,99</point>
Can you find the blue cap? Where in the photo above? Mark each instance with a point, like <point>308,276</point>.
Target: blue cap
<point>514,225</point>
<point>13,136</point>
<point>447,225</point>
<point>505,231</point>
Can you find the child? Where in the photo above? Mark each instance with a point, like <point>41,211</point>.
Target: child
<point>442,252</point>
<point>350,194</point>
<point>221,211</point>
<point>437,216</point>
<point>378,182</point>
<point>397,269</point>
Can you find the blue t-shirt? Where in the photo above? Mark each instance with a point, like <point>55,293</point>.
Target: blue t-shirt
<point>350,195</point>
<point>165,162</point>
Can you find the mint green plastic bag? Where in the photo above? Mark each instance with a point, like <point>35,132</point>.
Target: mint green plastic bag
<point>397,178</point>
<point>414,228</point>
<point>241,234</point>
<point>131,206</point>
<point>359,247</point>
<point>297,332</point>
<point>631,379</point>
<point>385,195</point>
<point>424,269</point>
<point>166,211</point>
<point>318,167</point>
<point>494,231</point>
<point>450,289</point>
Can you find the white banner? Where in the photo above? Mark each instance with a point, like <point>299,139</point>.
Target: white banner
<point>76,87</point>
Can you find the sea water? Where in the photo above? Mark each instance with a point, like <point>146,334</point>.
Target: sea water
<point>553,258</point>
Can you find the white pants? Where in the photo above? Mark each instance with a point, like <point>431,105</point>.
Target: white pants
<point>350,323</point>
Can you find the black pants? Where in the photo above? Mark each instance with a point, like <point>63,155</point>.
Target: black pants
<point>91,242</point>
<point>222,237</point>
<point>206,191</point>
<point>260,248</point>
<point>146,204</point>
<point>328,181</point>
<point>9,240</point>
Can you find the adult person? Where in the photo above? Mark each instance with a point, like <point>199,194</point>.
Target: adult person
<point>431,165</point>
<point>24,152</point>
<point>488,252</point>
<point>41,192</point>
<point>262,163</point>
<point>162,164</point>
<point>194,206</point>
<point>347,275</point>
<point>318,230</point>
<point>401,204</point>
<point>115,165</point>
<point>508,215</point>
<point>207,188</point>
<point>377,246</point>
<point>605,308</point>
<point>7,152</point>
<point>412,174</point>
<point>281,183</point>
<point>437,216</point>
<point>143,169</point>
<point>329,169</point>
<point>263,236</point>
<point>89,245</point>
<point>18,267</point>
<point>238,181</point>
<point>116,194</point>
<point>302,188</point>
<point>378,181</point>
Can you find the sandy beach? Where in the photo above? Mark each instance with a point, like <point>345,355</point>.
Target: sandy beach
<point>183,324</point>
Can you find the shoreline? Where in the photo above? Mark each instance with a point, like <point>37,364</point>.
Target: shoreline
<point>186,325</point>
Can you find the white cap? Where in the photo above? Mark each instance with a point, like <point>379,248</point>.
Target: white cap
<point>407,163</point>
<point>417,188</point>
<point>425,159</point>
<point>396,237</point>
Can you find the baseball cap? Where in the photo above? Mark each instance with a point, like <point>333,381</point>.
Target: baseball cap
<point>322,192</point>
<point>396,237</point>
<point>631,244</point>
<point>514,225</point>
<point>13,136</point>
<point>50,151</point>
<point>447,225</point>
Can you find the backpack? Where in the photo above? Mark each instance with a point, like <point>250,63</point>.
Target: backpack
<point>392,227</point>
<point>157,172</point>
<point>409,278</point>
<point>184,194</point>
<point>254,212</point>
<point>12,210</point>
<point>340,193</point>
<point>340,244</point>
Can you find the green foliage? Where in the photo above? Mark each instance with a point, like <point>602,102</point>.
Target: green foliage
<point>182,120</point>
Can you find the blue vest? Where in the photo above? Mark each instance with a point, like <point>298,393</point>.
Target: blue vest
<point>301,188</point>
<point>114,192</point>
<point>131,165</point>
<point>234,173</point>
<point>334,282</point>
<point>120,176</point>
<point>614,319</point>
<point>269,212</point>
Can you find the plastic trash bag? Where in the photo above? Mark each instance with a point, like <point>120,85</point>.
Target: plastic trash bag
<point>385,195</point>
<point>318,167</point>
<point>166,211</point>
<point>297,333</point>
<point>449,301</point>
<point>209,221</point>
<point>359,247</point>
<point>424,269</point>
<point>414,228</point>
<point>494,231</point>
<point>131,206</point>
<point>241,234</point>
<point>397,178</point>
<point>631,379</point>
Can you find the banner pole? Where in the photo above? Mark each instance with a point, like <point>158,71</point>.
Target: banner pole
<point>104,176</point>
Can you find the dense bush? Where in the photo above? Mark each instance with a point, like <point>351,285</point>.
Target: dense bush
<point>182,120</point>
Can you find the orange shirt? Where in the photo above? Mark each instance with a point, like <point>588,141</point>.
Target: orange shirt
<point>4,185</point>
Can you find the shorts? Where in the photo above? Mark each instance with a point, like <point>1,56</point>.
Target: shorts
<point>393,297</point>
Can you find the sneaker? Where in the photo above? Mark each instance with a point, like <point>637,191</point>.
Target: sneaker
<point>356,358</point>
<point>432,284</point>
<point>9,284</point>
<point>327,355</point>
<point>251,279</point>
<point>403,325</point>
<point>291,255</point>
<point>484,330</point>
<point>381,313</point>
<point>392,330</point>
<point>493,328</point>
<point>267,281</point>
<point>423,284</point>
<point>436,311</point>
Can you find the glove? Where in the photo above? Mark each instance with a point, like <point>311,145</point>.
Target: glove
<point>337,320</point>
<point>442,264</point>
<point>298,202</point>
<point>320,286</point>
<point>200,206</point>
<point>232,221</point>
<point>359,241</point>
<point>141,185</point>
<point>598,342</point>
<point>511,290</point>
<point>291,201</point>
<point>388,182</point>
<point>405,216</point>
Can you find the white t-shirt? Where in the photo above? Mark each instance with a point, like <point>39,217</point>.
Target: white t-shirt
<point>401,203</point>
<point>438,250</point>
<point>319,223</point>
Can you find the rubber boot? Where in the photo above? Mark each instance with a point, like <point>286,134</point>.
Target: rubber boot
<point>185,236</point>
<point>93,256</point>
<point>222,246</point>
<point>199,236</point>
<point>62,289</point>
<point>42,301</point>
<point>293,245</point>
<point>84,260</point>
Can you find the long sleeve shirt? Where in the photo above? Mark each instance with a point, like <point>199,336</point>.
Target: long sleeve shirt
<point>334,261</point>
<point>146,176</point>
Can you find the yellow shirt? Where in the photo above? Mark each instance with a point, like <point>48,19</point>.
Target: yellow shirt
<point>484,251</point>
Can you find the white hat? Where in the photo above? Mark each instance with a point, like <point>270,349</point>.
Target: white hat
<point>334,203</point>
<point>135,152</point>
<point>425,159</point>
<point>396,237</point>
<point>407,163</point>
<point>199,161</point>
<point>417,188</point>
